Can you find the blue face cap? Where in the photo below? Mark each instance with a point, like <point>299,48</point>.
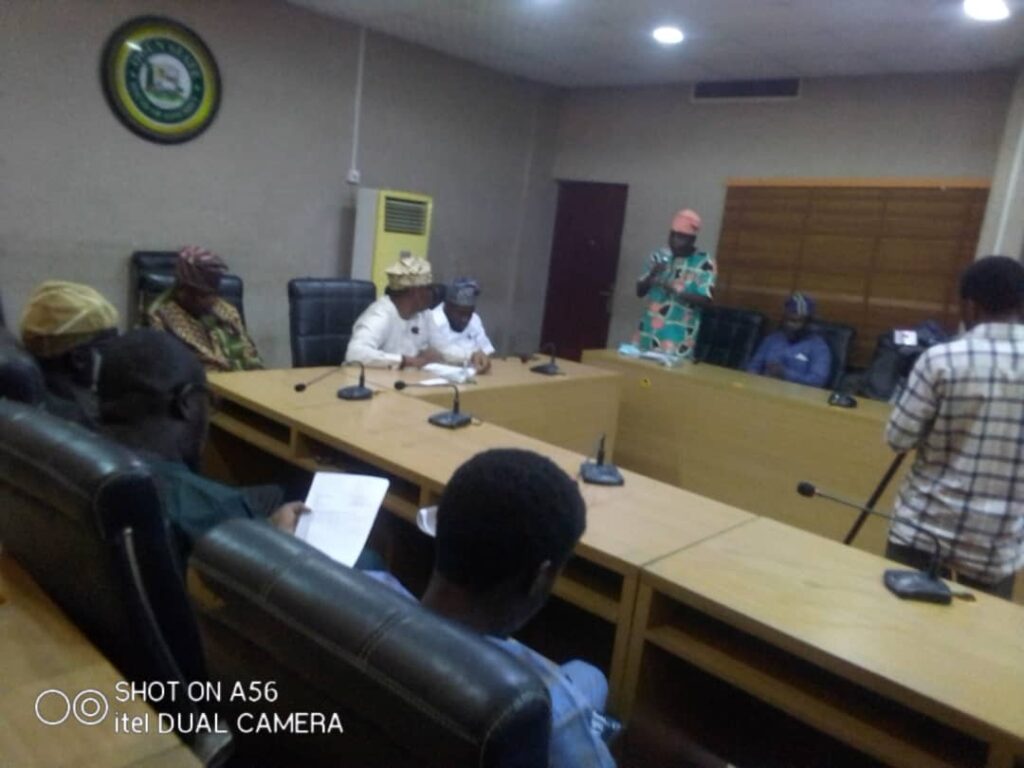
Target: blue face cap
<point>800,305</point>
<point>463,292</point>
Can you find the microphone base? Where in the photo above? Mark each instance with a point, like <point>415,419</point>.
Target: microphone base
<point>451,420</point>
<point>600,474</point>
<point>916,585</point>
<point>355,392</point>
<point>547,369</point>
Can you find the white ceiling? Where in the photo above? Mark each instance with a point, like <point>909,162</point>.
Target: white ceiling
<point>607,42</point>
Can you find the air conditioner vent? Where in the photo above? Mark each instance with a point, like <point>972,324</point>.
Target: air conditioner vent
<point>736,90</point>
<point>407,217</point>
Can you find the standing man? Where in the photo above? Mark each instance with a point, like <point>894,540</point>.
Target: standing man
<point>395,331</point>
<point>963,410</point>
<point>458,332</point>
<point>678,282</point>
<point>194,312</point>
<point>791,353</point>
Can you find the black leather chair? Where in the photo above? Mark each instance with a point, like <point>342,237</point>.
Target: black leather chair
<point>839,338</point>
<point>152,273</point>
<point>21,379</point>
<point>728,336</point>
<point>410,688</point>
<point>82,516</point>
<point>321,313</point>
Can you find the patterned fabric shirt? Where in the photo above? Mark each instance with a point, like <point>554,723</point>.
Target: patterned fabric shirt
<point>963,409</point>
<point>218,338</point>
<point>670,324</point>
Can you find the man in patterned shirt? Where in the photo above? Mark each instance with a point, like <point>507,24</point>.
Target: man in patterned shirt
<point>678,282</point>
<point>963,410</point>
<point>194,312</point>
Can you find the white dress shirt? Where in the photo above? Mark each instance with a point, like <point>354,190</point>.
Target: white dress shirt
<point>458,347</point>
<point>380,337</point>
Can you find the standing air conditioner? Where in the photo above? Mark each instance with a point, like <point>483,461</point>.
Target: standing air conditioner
<point>387,223</point>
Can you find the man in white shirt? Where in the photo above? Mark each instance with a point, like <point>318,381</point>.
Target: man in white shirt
<point>395,331</point>
<point>457,333</point>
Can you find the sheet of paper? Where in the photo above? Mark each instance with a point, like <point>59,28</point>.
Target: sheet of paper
<point>343,508</point>
<point>453,373</point>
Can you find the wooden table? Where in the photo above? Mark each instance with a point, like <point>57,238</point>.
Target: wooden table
<point>808,627</point>
<point>627,527</point>
<point>748,440</point>
<point>571,410</point>
<point>41,650</point>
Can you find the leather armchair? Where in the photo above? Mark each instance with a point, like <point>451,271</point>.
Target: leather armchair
<point>82,516</point>
<point>839,338</point>
<point>410,688</point>
<point>20,377</point>
<point>152,273</point>
<point>321,313</point>
<point>728,336</point>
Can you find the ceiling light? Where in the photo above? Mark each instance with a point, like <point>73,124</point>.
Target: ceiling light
<point>668,35</point>
<point>987,10</point>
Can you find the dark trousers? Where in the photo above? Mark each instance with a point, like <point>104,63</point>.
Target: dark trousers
<point>916,558</point>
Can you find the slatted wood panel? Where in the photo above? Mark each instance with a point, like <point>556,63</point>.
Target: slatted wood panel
<point>875,257</point>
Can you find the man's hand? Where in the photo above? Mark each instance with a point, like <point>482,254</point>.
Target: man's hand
<point>427,356</point>
<point>286,517</point>
<point>480,361</point>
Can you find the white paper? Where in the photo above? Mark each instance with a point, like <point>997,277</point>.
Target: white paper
<point>454,373</point>
<point>426,520</point>
<point>343,508</point>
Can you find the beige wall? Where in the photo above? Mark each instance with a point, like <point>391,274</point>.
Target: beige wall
<point>673,153</point>
<point>265,185</point>
<point>1003,231</point>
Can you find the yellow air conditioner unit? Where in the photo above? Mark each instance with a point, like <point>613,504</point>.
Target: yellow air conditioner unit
<point>387,223</point>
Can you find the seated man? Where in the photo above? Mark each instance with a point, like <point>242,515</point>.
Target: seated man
<point>193,312</point>
<point>395,330</point>
<point>791,353</point>
<point>153,399</point>
<point>507,523</point>
<point>458,334</point>
<point>64,326</point>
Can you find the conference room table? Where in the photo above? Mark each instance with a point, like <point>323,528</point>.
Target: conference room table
<point>40,651</point>
<point>748,440</point>
<point>571,409</point>
<point>627,527</point>
<point>807,627</point>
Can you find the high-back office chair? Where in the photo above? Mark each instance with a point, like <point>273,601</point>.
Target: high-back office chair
<point>321,313</point>
<point>21,379</point>
<point>152,273</point>
<point>839,338</point>
<point>82,516</point>
<point>728,336</point>
<point>411,688</point>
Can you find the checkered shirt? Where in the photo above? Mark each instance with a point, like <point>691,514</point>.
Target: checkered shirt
<point>963,410</point>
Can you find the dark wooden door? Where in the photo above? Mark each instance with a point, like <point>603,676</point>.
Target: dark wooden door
<point>584,261</point>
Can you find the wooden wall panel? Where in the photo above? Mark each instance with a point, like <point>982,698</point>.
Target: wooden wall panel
<point>874,256</point>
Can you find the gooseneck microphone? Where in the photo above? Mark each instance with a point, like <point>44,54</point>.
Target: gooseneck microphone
<point>549,368</point>
<point>597,472</point>
<point>908,585</point>
<point>355,392</point>
<point>453,419</point>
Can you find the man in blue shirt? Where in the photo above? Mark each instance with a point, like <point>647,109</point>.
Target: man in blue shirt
<point>791,353</point>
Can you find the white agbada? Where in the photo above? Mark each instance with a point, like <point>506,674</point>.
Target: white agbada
<point>458,347</point>
<point>380,337</point>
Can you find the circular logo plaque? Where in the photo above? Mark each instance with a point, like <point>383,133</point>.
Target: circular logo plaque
<point>160,79</point>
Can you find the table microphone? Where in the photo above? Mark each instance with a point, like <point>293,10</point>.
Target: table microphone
<point>597,472</point>
<point>355,392</point>
<point>549,368</point>
<point>909,585</point>
<point>452,419</point>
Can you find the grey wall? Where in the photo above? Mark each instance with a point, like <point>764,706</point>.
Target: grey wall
<point>265,185</point>
<point>673,153</point>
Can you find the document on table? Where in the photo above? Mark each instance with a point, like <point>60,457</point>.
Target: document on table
<point>448,373</point>
<point>342,510</point>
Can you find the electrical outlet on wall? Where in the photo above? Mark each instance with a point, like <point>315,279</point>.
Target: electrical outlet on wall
<point>353,176</point>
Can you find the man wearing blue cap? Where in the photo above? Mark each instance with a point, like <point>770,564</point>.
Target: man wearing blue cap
<point>458,333</point>
<point>791,353</point>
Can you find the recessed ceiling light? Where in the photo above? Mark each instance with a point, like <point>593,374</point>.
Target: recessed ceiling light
<point>987,10</point>
<point>668,35</point>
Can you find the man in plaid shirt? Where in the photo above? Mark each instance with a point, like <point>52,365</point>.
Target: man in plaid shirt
<point>963,410</point>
